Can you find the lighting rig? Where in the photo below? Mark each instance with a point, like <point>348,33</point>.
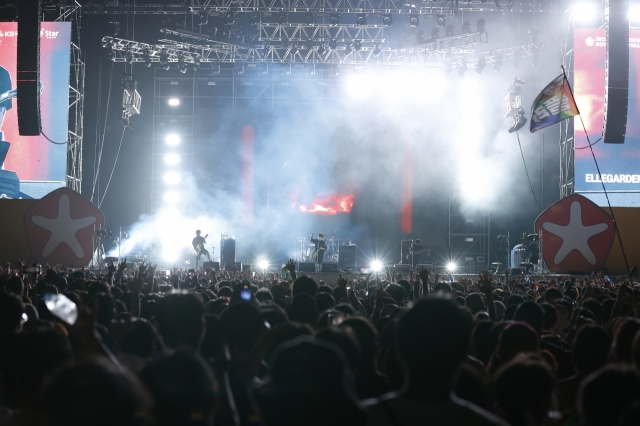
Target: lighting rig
<point>513,105</point>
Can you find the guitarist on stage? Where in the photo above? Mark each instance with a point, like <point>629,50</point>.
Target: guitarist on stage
<point>417,251</point>
<point>198,245</point>
<point>321,247</point>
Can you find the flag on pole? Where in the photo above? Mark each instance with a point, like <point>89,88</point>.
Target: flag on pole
<point>554,104</point>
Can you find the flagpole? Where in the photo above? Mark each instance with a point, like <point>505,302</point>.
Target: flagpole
<point>584,128</point>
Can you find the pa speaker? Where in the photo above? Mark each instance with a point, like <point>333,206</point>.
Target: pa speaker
<point>28,76</point>
<point>616,92</point>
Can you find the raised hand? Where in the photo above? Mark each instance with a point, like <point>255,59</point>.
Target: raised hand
<point>342,283</point>
<point>484,283</point>
<point>424,275</point>
<point>135,285</point>
<point>122,266</point>
<point>291,265</point>
<point>111,267</point>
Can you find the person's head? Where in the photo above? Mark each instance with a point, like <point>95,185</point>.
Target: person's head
<point>516,338</point>
<point>106,306</point>
<point>11,310</point>
<point>367,337</point>
<point>550,316</point>
<point>418,241</point>
<point>604,394</point>
<point>590,348</point>
<point>183,389</point>
<point>523,389</point>
<point>433,337</point>
<point>623,339</point>
<point>397,292</point>
<point>242,326</point>
<point>475,302</point>
<point>321,236</point>
<point>180,317</point>
<point>139,339</point>
<point>346,340</point>
<point>304,284</point>
<point>531,313</point>
<point>95,393</point>
<point>303,309</point>
<point>552,294</point>
<point>198,232</point>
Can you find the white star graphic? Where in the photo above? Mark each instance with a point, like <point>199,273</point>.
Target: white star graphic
<point>575,236</point>
<point>63,228</point>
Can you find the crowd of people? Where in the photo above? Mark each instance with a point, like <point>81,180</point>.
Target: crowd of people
<point>138,347</point>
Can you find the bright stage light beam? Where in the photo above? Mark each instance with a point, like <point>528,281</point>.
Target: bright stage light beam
<point>172,178</point>
<point>172,139</point>
<point>263,264</point>
<point>584,11</point>
<point>169,255</point>
<point>377,266</point>
<point>451,266</point>
<point>634,14</point>
<point>171,197</point>
<point>172,159</point>
<point>174,102</point>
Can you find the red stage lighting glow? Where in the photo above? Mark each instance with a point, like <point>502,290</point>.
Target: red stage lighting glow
<point>331,204</point>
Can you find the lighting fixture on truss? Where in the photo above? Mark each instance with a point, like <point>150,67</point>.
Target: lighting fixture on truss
<point>513,105</point>
<point>131,99</point>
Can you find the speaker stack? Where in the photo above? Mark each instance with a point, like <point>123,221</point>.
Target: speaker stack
<point>28,74</point>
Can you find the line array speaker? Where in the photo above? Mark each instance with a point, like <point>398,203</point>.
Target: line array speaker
<point>616,95</point>
<point>28,76</point>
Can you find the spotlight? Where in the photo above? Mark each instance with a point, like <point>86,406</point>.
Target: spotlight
<point>376,52</point>
<point>414,19</point>
<point>171,197</point>
<point>357,45</point>
<point>377,266</point>
<point>129,57</point>
<point>172,159</point>
<point>182,67</point>
<point>308,18</point>
<point>164,59</point>
<point>172,178</point>
<point>387,20</point>
<point>334,19</point>
<point>173,101</point>
<point>361,19</point>
<point>466,27</point>
<point>322,49</point>
<point>519,120</point>
<point>480,25</point>
<point>481,65</point>
<point>463,69</point>
<point>172,139</point>
<point>435,33</point>
<point>263,264</point>
<point>441,21</point>
<point>451,267</point>
<point>112,55</point>
<point>498,63</point>
<point>146,57</point>
<point>449,30</point>
<point>584,11</point>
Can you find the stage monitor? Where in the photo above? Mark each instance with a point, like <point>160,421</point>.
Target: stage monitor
<point>32,166</point>
<point>618,162</point>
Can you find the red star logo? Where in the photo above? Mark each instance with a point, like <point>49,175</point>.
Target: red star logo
<point>60,228</point>
<point>576,235</point>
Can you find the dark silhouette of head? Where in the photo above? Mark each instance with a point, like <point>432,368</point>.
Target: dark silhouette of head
<point>590,348</point>
<point>304,284</point>
<point>516,338</point>
<point>531,313</point>
<point>433,337</point>
<point>242,325</point>
<point>180,317</point>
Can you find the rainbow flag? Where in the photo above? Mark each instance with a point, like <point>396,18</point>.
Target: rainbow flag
<point>554,104</point>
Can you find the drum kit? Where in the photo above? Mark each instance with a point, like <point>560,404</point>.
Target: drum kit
<point>523,257</point>
<point>305,249</point>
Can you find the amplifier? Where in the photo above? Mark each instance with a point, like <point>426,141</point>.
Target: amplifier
<point>214,265</point>
<point>347,257</point>
<point>306,267</point>
<point>329,267</point>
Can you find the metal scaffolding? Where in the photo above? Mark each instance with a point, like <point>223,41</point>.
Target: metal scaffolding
<point>75,131</point>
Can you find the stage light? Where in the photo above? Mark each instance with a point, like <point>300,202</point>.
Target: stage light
<point>387,20</point>
<point>172,178</point>
<point>361,19</point>
<point>334,19</point>
<point>173,102</point>
<point>146,57</point>
<point>172,159</point>
<point>164,60</point>
<point>308,18</point>
<point>172,139</point>
<point>357,45</point>
<point>182,66</point>
<point>451,267</point>
<point>450,30</point>
<point>169,254</point>
<point>466,27</point>
<point>129,57</point>
<point>171,197</point>
<point>376,52</point>
<point>377,266</point>
<point>481,65</point>
<point>441,21</point>
<point>480,25</point>
<point>196,64</point>
<point>498,63</point>
<point>263,264</point>
<point>584,11</point>
<point>463,69</point>
<point>414,19</point>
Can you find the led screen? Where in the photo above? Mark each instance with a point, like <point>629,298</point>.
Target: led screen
<point>38,165</point>
<point>619,163</point>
